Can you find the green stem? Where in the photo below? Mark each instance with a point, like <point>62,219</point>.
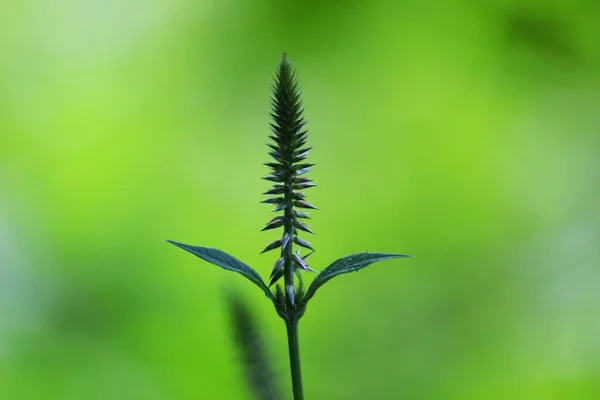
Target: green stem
<point>292,334</point>
<point>288,251</point>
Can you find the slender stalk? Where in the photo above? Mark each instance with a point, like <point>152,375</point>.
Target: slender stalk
<point>292,334</point>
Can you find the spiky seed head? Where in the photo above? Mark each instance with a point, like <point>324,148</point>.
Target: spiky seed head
<point>289,153</point>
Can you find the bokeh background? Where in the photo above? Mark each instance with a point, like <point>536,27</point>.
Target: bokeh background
<point>465,133</point>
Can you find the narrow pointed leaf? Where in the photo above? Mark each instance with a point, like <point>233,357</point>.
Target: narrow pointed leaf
<point>347,264</point>
<point>225,261</point>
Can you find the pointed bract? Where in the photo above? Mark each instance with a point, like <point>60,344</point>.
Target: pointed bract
<point>304,204</point>
<point>274,223</point>
<point>301,214</point>
<point>302,226</point>
<point>289,151</point>
<point>291,294</point>
<point>301,186</point>
<point>301,242</point>
<point>272,246</point>
<point>299,262</point>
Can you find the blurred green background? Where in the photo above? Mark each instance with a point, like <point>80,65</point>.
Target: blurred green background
<point>463,132</point>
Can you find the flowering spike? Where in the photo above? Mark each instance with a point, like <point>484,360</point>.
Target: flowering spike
<point>289,152</point>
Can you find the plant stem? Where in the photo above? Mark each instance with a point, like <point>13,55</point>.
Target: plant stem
<point>292,334</point>
<point>288,250</point>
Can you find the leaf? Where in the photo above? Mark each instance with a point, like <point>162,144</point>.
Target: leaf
<point>225,261</point>
<point>347,264</point>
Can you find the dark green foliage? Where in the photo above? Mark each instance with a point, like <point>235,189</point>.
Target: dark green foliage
<point>347,264</point>
<point>253,350</point>
<point>225,261</point>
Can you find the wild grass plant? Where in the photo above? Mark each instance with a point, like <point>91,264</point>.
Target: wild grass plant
<point>289,150</point>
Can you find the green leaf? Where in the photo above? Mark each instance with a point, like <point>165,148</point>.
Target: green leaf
<point>347,264</point>
<point>225,261</point>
